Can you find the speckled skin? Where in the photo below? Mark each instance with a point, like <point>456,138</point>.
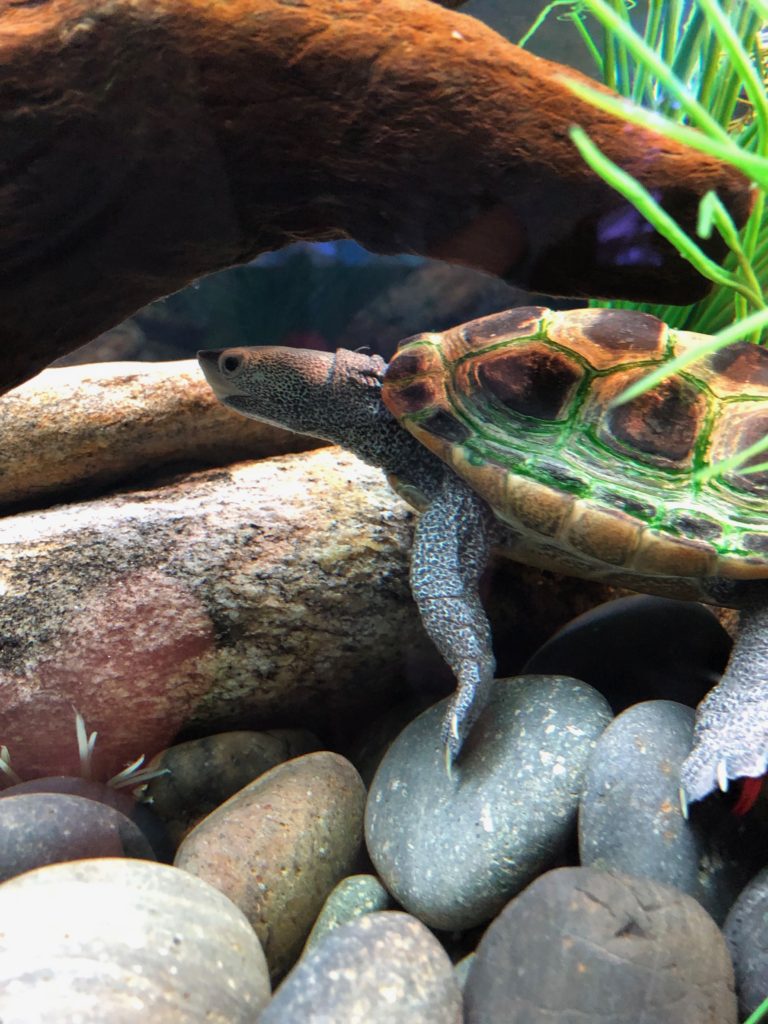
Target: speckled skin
<point>337,396</point>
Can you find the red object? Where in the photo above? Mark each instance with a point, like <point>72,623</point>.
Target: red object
<point>750,791</point>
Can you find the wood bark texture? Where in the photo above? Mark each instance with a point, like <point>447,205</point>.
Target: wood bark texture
<point>144,143</point>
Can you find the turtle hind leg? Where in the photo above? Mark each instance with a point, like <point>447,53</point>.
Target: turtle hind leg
<point>730,739</point>
<point>450,550</point>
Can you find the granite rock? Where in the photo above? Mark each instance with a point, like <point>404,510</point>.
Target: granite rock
<point>93,426</point>
<point>46,828</point>
<point>746,932</point>
<point>383,968</point>
<point>608,648</point>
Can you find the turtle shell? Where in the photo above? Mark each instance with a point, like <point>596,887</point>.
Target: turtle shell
<point>521,405</point>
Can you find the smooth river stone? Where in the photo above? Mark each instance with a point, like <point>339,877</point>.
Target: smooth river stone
<point>580,946</point>
<point>45,828</point>
<point>122,800</point>
<point>608,647</point>
<point>746,932</point>
<point>203,773</point>
<point>125,941</point>
<point>279,846</point>
<point>383,968</point>
<point>630,818</point>
<point>452,850</point>
<point>352,897</point>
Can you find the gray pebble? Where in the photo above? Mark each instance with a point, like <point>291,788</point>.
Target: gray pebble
<point>630,819</point>
<point>746,932</point>
<point>45,828</point>
<point>383,968</point>
<point>452,850</point>
<point>580,945</point>
<point>124,941</point>
<point>352,897</point>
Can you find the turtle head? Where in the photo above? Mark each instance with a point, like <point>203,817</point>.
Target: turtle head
<point>332,395</point>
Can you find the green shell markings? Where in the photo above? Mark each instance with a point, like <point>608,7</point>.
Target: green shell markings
<point>521,405</point>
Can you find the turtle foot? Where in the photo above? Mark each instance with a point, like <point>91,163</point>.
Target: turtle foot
<point>464,709</point>
<point>730,741</point>
<point>703,772</point>
<point>730,737</point>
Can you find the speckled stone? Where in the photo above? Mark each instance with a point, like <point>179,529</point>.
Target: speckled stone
<point>452,850</point>
<point>630,818</point>
<point>125,941</point>
<point>203,773</point>
<point>383,968</point>
<point>580,945</point>
<point>746,932</point>
<point>352,897</point>
<point>45,828</point>
<point>279,846</point>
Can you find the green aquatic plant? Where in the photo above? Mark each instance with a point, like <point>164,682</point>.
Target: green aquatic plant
<point>760,1015</point>
<point>695,72</point>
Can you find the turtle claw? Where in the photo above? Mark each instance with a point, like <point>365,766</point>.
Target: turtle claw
<point>721,773</point>
<point>452,739</point>
<point>683,803</point>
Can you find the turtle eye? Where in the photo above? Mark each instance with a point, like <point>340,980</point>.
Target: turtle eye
<point>230,363</point>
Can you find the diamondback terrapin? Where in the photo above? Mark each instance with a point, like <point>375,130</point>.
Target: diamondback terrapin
<point>504,432</point>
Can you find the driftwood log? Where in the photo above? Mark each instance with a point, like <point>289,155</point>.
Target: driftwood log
<point>144,143</point>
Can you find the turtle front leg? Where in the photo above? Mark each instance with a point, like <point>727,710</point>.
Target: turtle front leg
<point>450,550</point>
<point>730,738</point>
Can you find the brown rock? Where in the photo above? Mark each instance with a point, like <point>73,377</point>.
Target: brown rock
<point>271,592</point>
<point>147,142</point>
<point>585,945</point>
<point>201,774</point>
<point>266,594</point>
<point>279,846</point>
<point>92,425</point>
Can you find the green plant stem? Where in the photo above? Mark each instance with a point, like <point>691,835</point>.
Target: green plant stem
<point>759,1014</point>
<point>641,198</point>
<point>752,164</point>
<point>734,332</point>
<point>644,54</point>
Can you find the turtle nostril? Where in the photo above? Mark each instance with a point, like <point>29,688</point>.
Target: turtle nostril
<point>230,363</point>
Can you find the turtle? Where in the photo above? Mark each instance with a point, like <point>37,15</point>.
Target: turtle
<point>508,432</point>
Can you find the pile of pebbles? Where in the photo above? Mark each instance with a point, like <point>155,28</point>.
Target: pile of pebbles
<point>550,877</point>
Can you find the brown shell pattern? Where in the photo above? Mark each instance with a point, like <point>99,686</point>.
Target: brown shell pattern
<point>520,404</point>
